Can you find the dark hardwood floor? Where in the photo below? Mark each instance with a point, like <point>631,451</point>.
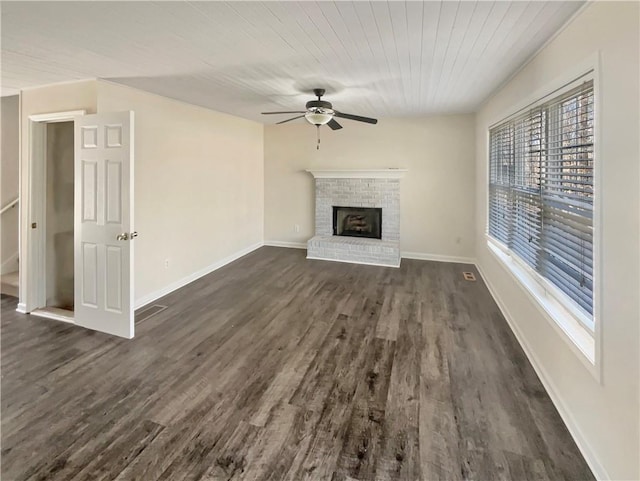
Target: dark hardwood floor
<point>279,368</point>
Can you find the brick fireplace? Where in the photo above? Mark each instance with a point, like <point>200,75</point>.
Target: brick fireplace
<point>378,189</point>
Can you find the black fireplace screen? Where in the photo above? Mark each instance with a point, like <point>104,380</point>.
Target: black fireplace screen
<point>357,221</point>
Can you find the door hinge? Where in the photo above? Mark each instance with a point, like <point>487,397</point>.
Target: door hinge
<point>34,225</point>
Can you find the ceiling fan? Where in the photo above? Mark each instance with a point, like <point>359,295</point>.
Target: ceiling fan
<point>320,112</point>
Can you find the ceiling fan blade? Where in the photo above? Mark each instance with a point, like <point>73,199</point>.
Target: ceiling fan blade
<point>289,120</point>
<point>359,118</point>
<point>292,112</point>
<point>334,125</point>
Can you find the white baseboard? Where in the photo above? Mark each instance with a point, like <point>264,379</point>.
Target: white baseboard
<point>437,257</point>
<point>22,308</point>
<point>10,265</point>
<point>143,301</point>
<point>565,413</point>
<point>291,245</point>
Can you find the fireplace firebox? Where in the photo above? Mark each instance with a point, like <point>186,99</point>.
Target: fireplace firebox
<point>357,222</point>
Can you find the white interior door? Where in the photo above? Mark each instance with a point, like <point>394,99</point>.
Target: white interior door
<point>103,247</point>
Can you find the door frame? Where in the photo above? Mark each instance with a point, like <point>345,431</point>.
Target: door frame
<point>33,207</point>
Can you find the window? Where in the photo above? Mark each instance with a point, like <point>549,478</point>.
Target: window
<point>541,194</point>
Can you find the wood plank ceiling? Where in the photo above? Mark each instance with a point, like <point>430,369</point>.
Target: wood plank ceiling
<point>374,58</point>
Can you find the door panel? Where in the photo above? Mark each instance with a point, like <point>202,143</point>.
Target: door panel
<point>89,277</point>
<point>89,191</point>
<point>113,192</point>
<point>104,195</point>
<point>114,286</point>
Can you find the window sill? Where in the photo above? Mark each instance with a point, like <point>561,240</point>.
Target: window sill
<point>572,331</point>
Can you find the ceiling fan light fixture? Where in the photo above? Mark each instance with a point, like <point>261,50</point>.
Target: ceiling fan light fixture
<point>318,118</point>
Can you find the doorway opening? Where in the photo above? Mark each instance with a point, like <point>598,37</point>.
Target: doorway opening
<point>84,175</point>
<point>50,234</point>
<point>58,226</point>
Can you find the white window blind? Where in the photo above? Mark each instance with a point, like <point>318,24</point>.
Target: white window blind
<point>541,191</point>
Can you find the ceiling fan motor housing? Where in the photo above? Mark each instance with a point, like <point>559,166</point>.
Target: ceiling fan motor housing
<point>318,104</point>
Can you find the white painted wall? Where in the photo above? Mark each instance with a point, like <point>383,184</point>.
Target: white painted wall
<point>603,417</point>
<point>437,193</point>
<point>198,186</point>
<point>9,172</point>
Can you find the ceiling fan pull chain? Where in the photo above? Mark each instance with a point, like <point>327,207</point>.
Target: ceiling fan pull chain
<point>318,130</point>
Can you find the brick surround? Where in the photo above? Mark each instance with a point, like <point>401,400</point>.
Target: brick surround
<point>372,188</point>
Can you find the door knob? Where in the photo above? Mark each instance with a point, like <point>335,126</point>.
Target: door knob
<point>123,236</point>
<point>133,235</point>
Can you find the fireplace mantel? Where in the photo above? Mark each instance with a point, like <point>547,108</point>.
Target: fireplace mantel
<point>358,173</point>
